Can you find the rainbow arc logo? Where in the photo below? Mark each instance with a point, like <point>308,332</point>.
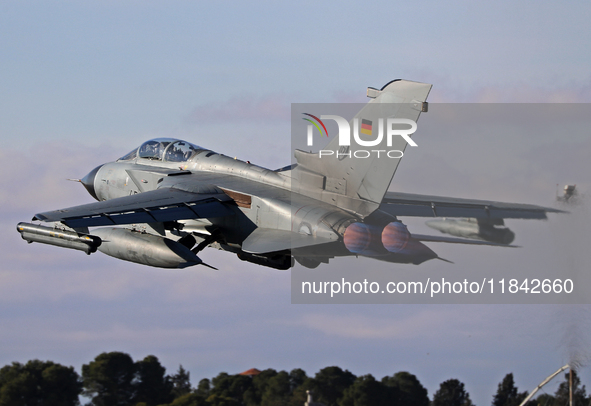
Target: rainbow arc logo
<point>315,123</point>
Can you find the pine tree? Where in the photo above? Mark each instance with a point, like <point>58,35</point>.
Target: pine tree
<point>507,394</point>
<point>181,383</point>
<point>563,392</point>
<point>451,393</point>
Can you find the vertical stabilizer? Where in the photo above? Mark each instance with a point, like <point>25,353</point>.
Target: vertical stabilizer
<point>356,177</point>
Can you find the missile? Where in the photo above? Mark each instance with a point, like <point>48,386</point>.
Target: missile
<point>61,238</point>
<point>144,248</point>
<point>474,228</point>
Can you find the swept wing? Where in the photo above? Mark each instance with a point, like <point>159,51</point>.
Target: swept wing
<point>415,205</point>
<point>158,205</point>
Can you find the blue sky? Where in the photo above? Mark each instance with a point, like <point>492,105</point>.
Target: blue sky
<point>85,82</point>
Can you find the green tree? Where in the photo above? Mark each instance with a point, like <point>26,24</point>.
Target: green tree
<point>561,397</point>
<point>253,396</point>
<point>545,399</point>
<point>409,391</point>
<point>451,393</point>
<point>190,399</point>
<point>297,377</point>
<point>108,380</point>
<point>330,383</point>
<point>151,385</point>
<point>181,383</point>
<point>299,395</point>
<point>221,384</point>
<point>507,394</point>
<point>366,391</point>
<point>217,400</point>
<point>203,388</point>
<point>230,387</point>
<point>39,382</point>
<point>277,391</point>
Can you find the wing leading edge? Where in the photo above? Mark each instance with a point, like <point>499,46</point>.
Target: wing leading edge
<point>159,205</point>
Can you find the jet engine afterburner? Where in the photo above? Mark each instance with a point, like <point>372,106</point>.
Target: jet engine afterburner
<point>392,240</point>
<point>364,239</point>
<point>395,237</point>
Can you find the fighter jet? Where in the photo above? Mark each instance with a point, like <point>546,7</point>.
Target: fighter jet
<point>570,195</point>
<point>168,199</point>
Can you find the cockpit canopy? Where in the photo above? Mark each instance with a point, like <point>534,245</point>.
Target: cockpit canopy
<point>164,149</point>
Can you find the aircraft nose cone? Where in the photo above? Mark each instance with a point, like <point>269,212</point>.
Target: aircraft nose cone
<point>88,181</point>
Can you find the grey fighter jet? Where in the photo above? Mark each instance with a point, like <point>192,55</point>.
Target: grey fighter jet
<point>168,199</point>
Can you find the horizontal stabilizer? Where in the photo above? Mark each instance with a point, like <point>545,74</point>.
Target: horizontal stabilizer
<point>264,240</point>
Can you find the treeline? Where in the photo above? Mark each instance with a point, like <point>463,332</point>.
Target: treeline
<point>114,379</point>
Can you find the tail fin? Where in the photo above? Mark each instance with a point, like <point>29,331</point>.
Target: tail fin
<point>353,179</point>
